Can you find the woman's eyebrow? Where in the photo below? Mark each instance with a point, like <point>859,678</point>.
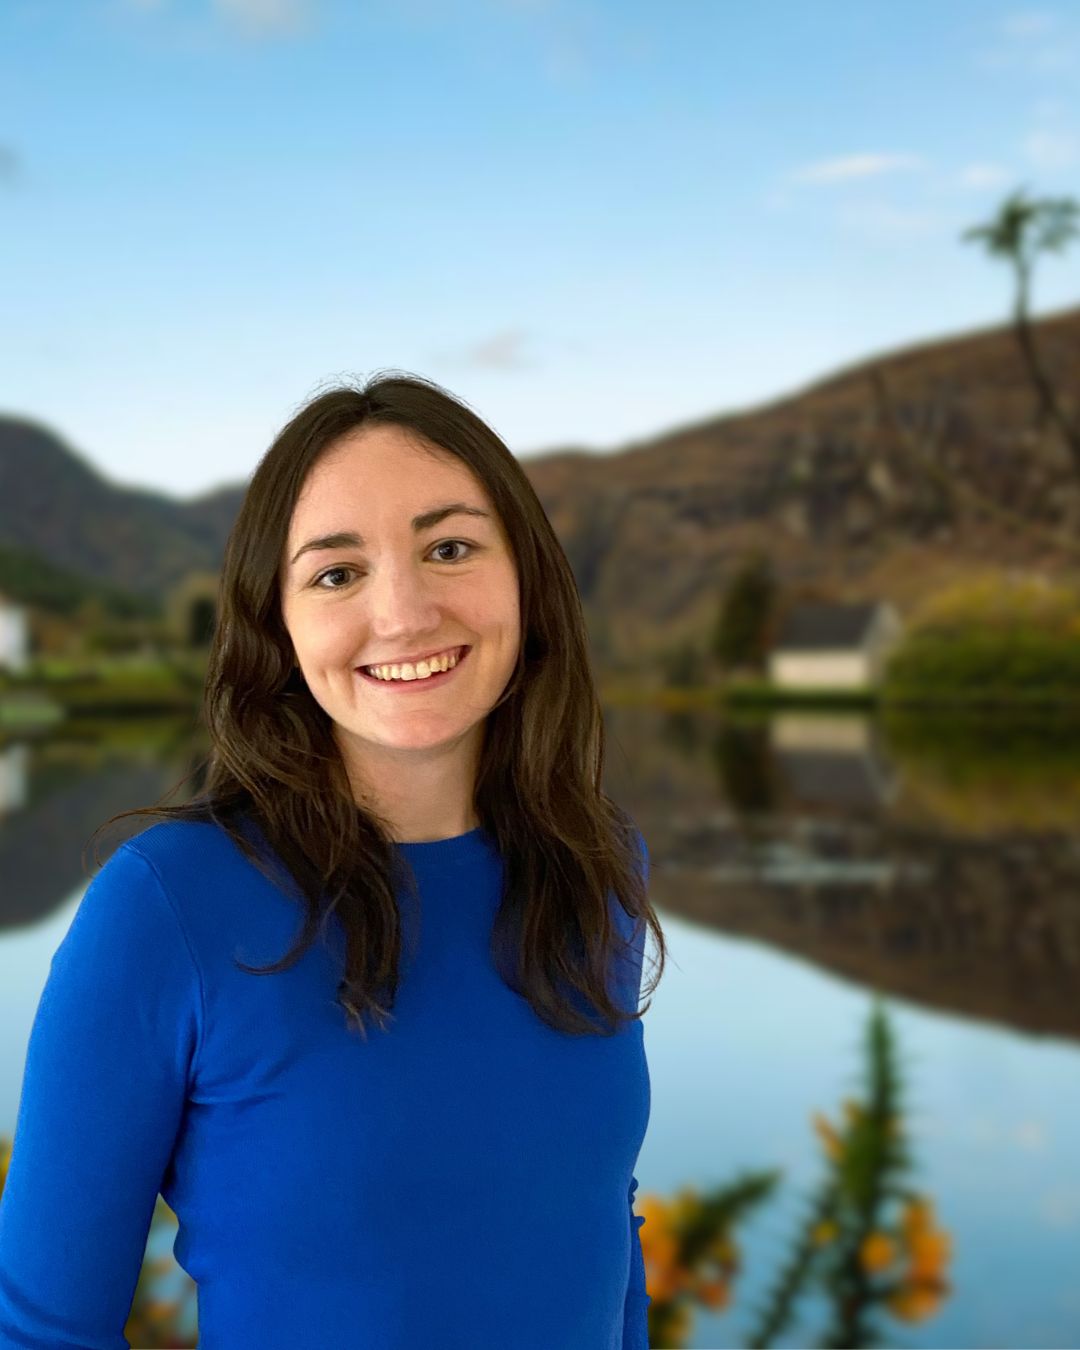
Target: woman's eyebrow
<point>424,521</point>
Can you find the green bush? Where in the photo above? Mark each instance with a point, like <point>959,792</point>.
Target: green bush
<point>986,664</point>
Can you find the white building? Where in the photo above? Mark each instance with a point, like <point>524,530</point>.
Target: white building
<point>834,646</point>
<point>14,635</point>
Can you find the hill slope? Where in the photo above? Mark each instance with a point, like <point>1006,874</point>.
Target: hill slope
<point>843,494</point>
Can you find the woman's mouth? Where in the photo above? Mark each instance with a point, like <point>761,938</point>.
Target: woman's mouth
<point>433,681</point>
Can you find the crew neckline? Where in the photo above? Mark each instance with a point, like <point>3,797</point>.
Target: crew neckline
<point>455,843</point>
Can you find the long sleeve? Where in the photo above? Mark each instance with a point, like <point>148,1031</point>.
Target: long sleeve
<point>107,1068</point>
<point>635,1313</point>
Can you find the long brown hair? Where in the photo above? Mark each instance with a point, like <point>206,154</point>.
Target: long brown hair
<point>275,766</point>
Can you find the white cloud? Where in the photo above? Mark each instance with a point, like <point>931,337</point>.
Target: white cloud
<point>848,167</point>
<point>1049,150</point>
<point>984,176</point>
<point>501,351</point>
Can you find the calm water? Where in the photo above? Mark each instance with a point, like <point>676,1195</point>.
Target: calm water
<point>800,865</point>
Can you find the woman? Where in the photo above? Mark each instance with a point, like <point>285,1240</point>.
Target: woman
<point>407,753</point>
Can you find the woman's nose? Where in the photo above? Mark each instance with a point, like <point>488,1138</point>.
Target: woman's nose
<point>399,590</point>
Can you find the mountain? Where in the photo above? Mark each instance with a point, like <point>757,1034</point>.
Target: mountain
<point>849,495</point>
<point>54,504</point>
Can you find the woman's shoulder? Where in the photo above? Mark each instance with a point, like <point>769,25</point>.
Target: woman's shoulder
<point>195,870</point>
<point>192,861</point>
<point>180,843</point>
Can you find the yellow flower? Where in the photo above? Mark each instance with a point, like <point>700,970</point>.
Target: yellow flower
<point>659,1247</point>
<point>914,1302</point>
<point>929,1252</point>
<point>877,1251</point>
<point>825,1230</point>
<point>918,1215</point>
<point>928,1246</point>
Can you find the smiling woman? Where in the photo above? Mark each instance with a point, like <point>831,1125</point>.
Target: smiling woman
<point>409,760</point>
<point>406,594</point>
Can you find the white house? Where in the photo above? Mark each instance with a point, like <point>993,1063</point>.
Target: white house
<point>14,635</point>
<point>834,646</point>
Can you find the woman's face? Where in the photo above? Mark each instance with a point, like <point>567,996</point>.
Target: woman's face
<point>398,590</point>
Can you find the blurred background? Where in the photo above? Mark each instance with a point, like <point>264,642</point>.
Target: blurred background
<point>779,306</point>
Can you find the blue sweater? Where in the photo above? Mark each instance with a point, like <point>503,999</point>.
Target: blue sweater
<point>461,1180</point>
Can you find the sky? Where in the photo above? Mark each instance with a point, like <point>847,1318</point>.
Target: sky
<point>592,222</point>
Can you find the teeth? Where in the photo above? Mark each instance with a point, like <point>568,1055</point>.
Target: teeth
<point>420,671</point>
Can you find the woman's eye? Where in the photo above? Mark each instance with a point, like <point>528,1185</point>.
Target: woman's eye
<point>329,573</point>
<point>447,543</point>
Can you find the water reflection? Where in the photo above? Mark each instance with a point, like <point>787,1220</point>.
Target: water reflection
<point>56,792</point>
<point>804,862</point>
<point>915,860</point>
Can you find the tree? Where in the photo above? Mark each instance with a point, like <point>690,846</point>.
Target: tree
<point>1023,228</point>
<point>746,612</point>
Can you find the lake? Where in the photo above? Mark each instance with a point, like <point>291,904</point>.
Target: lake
<point>806,868</point>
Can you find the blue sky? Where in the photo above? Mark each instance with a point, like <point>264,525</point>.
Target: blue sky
<point>592,221</point>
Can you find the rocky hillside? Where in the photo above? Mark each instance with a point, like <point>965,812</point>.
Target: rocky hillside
<point>884,479</point>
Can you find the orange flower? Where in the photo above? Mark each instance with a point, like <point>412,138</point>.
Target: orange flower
<point>659,1247</point>
<point>918,1215</point>
<point>714,1293</point>
<point>656,1230</point>
<point>685,1280</point>
<point>929,1251</point>
<point>914,1302</point>
<point>159,1311</point>
<point>661,1282</point>
<point>877,1251</point>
